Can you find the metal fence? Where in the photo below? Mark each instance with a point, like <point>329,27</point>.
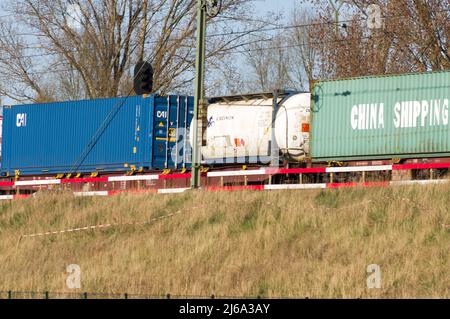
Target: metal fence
<point>89,295</point>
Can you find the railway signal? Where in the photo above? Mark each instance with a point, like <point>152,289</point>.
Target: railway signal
<point>143,78</point>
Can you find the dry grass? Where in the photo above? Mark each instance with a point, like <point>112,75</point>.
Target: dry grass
<point>286,243</point>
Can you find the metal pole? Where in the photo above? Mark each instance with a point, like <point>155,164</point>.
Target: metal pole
<point>336,22</point>
<point>336,14</point>
<point>274,149</point>
<point>199,93</point>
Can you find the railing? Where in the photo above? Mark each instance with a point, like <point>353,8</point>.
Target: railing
<point>243,179</point>
<point>95,295</point>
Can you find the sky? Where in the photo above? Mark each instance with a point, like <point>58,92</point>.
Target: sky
<point>274,5</point>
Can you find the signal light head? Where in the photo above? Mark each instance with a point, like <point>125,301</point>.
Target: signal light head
<point>143,78</point>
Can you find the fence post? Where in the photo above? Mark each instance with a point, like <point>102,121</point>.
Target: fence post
<point>85,295</point>
<point>46,295</point>
<point>9,294</point>
<point>125,296</point>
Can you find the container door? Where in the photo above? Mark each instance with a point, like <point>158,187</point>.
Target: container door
<point>171,147</point>
<point>181,151</point>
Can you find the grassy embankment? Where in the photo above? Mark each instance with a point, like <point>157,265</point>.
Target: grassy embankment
<point>273,244</point>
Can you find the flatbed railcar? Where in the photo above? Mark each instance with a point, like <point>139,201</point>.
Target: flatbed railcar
<point>362,122</point>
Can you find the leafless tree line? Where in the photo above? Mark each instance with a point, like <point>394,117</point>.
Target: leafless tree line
<point>68,49</point>
<point>412,36</point>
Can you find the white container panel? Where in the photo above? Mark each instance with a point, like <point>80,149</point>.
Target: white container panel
<point>238,129</point>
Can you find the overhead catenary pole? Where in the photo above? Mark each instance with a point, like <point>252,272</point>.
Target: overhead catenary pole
<point>336,13</point>
<point>199,93</point>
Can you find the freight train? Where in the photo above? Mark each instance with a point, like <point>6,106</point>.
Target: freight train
<point>359,121</point>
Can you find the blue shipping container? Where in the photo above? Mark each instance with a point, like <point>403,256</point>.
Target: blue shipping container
<point>102,135</point>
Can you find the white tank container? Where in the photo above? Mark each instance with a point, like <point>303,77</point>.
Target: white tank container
<point>244,128</point>
<point>238,129</point>
<point>292,126</point>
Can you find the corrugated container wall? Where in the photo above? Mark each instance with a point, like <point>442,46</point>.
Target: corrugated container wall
<point>103,135</point>
<point>404,116</point>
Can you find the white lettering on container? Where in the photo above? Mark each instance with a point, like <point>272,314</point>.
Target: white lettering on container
<point>406,114</point>
<point>367,116</point>
<point>21,119</point>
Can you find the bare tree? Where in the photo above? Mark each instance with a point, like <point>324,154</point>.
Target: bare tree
<point>269,63</point>
<point>87,48</point>
<point>412,36</point>
<point>288,60</point>
<point>303,52</point>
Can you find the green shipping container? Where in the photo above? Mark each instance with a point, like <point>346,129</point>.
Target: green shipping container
<point>402,116</point>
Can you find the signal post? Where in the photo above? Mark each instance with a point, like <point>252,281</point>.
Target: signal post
<point>199,102</point>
